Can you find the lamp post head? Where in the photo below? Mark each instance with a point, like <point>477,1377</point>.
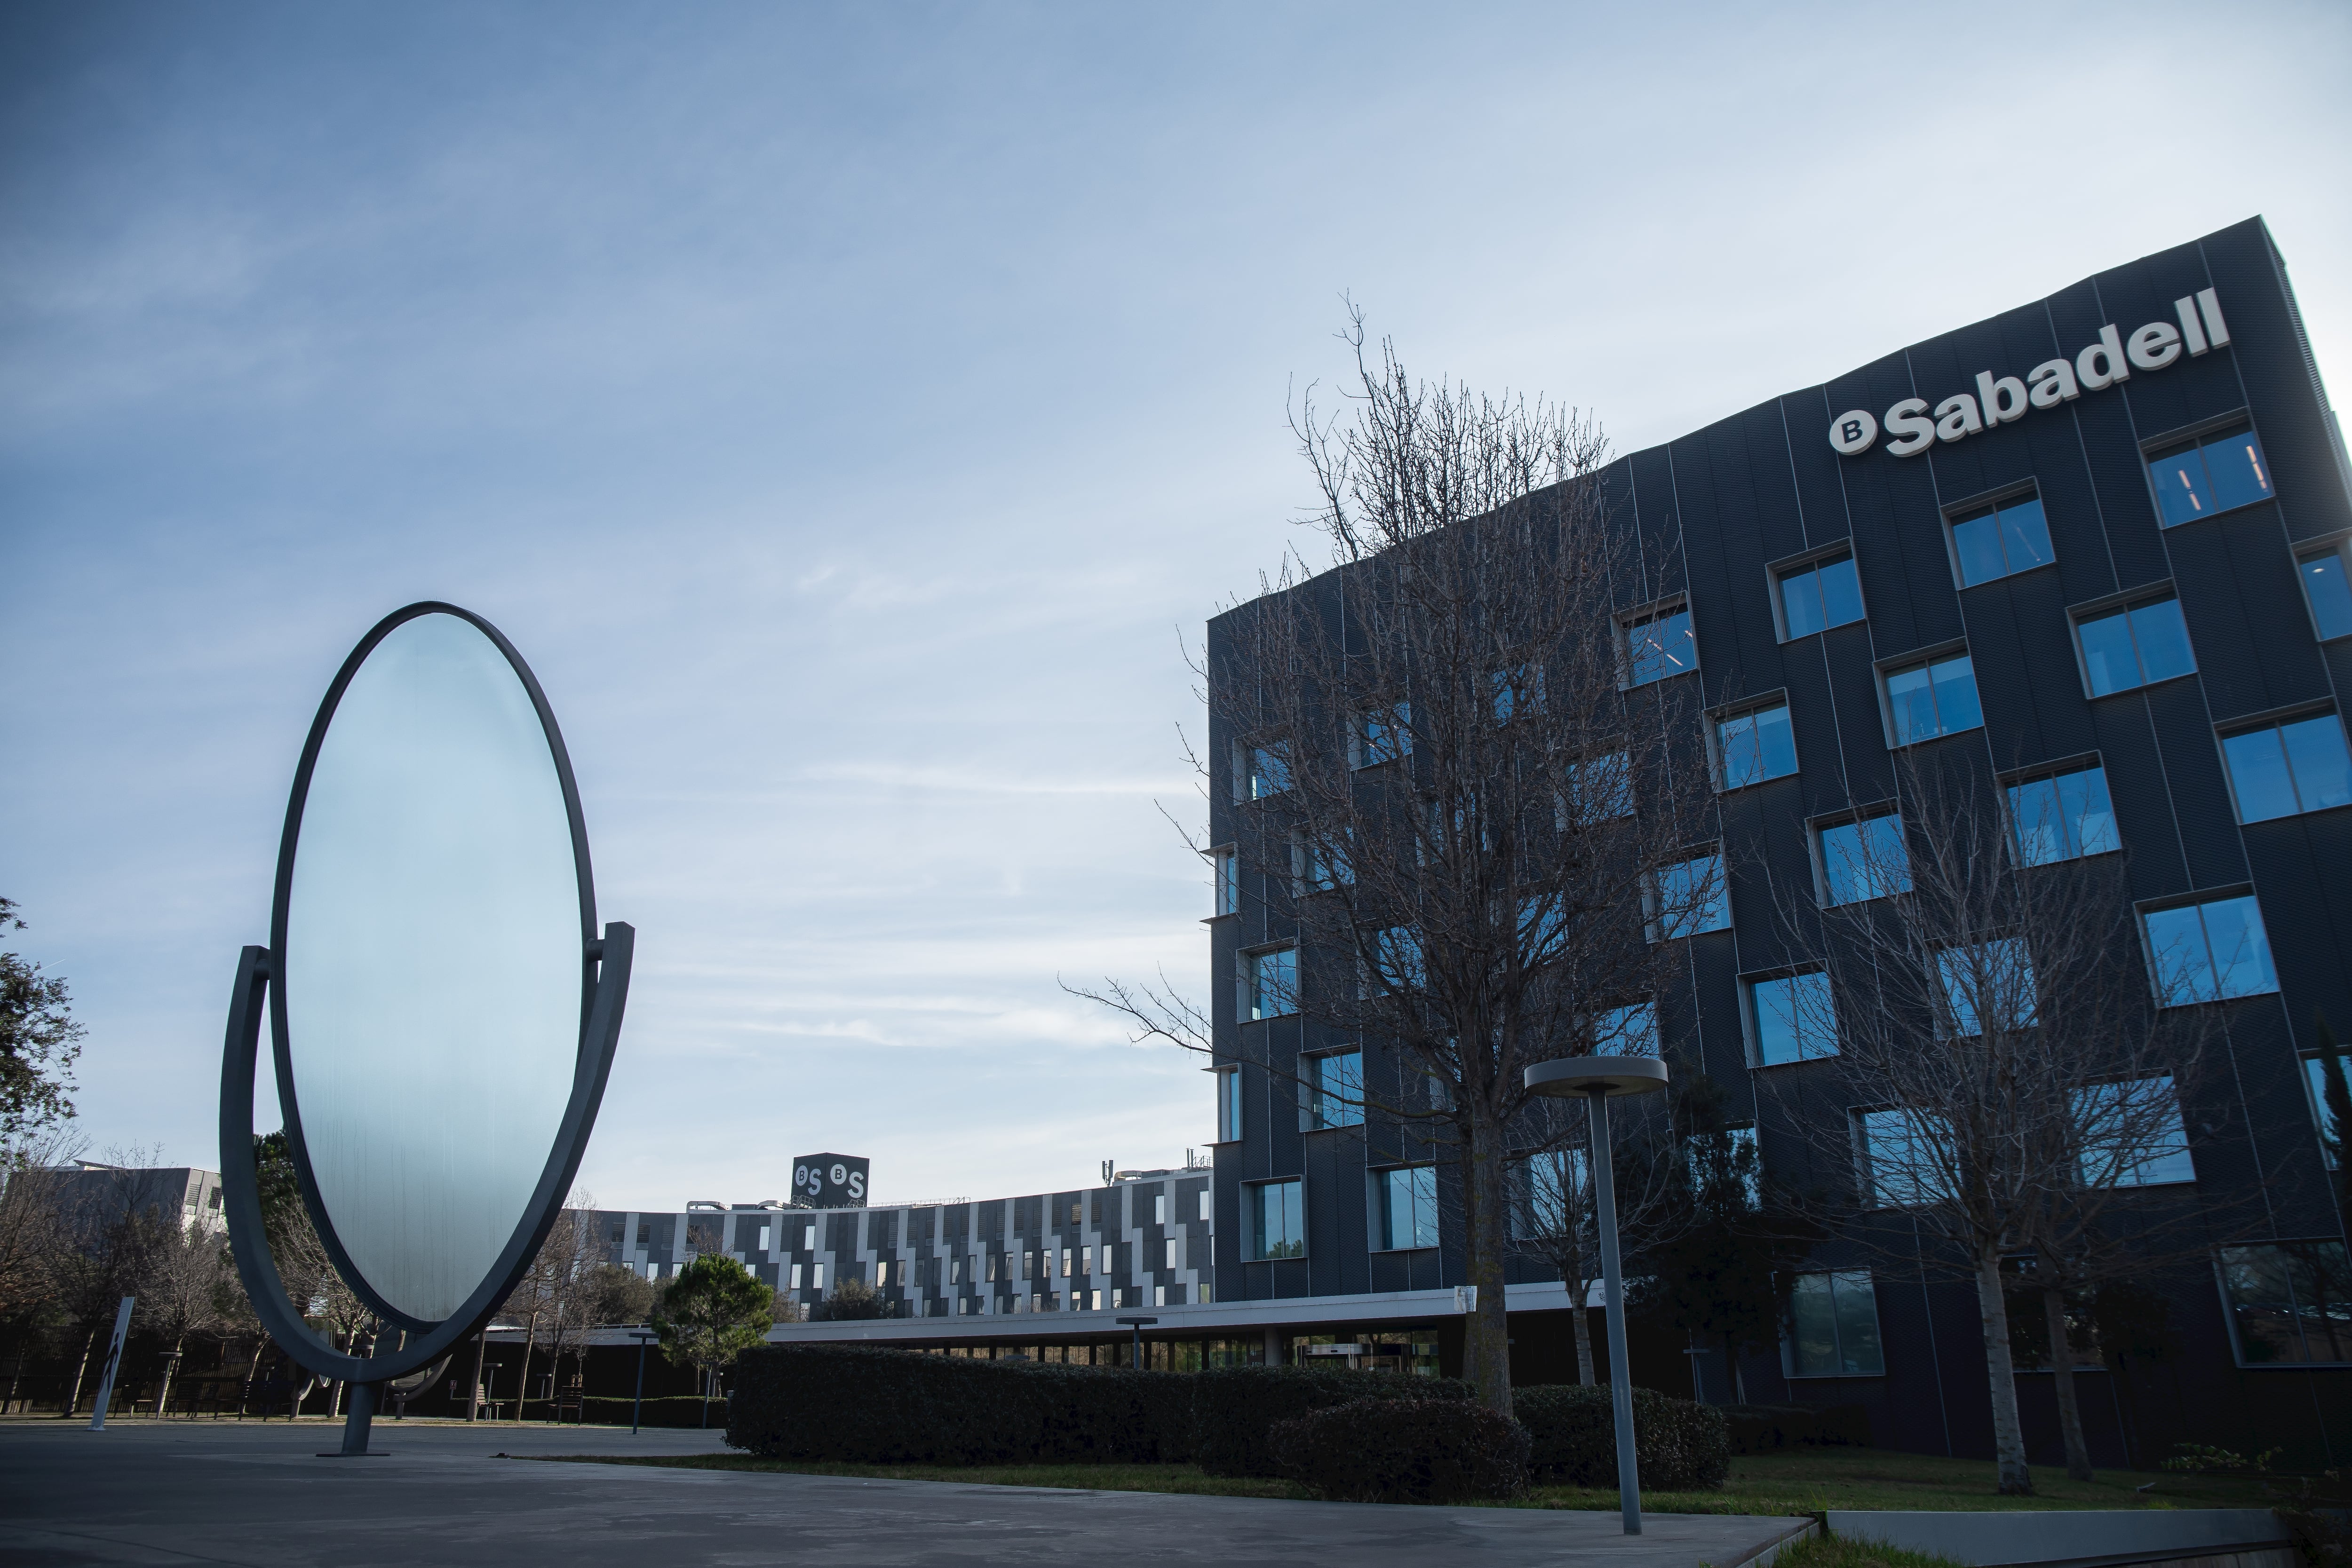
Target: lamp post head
<point>1612,1077</point>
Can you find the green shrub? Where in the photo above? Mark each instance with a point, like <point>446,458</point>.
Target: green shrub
<point>862,1404</point>
<point>1404,1450</point>
<point>1678,1444</point>
<point>1766,1428</point>
<point>1233,1408</point>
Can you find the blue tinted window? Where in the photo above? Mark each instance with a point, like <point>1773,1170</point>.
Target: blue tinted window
<point>1269,771</point>
<point>2234,465</point>
<point>2013,536</point>
<point>1977,541</point>
<point>1926,700</point>
<point>1661,646</point>
<point>1339,1090</point>
<point>1387,735</point>
<point>2282,769</point>
<point>1793,1018</point>
<point>2201,478</point>
<point>2330,595</point>
<point>2315,1073</point>
<point>1840,591</point>
<point>2131,1134</point>
<point>1692,898</point>
<point>1409,1207</point>
<point>2063,816</point>
<point>1273,983</point>
<point>2127,648</point>
<point>1955,694</point>
<point>1277,1221</point>
<point>1911,703</point>
<point>1755,747</point>
<point>2206,952</point>
<point>1864,860</point>
<point>1834,1327</point>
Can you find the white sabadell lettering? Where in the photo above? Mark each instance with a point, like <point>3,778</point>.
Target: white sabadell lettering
<point>2105,362</point>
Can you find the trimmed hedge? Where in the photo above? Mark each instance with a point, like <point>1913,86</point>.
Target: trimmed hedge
<point>1763,1428</point>
<point>1235,1407</point>
<point>1678,1444</point>
<point>1404,1450</point>
<point>865,1406</point>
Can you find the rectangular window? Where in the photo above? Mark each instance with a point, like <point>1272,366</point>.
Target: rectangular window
<point>817,1276</point>
<point>1172,1253</point>
<point>1819,596</point>
<point>1265,770</point>
<point>2001,541</point>
<point>1793,1018</point>
<point>1752,746</point>
<point>2209,952</point>
<point>1933,697</point>
<point>1269,984</point>
<point>2063,816</point>
<point>1519,689</point>
<point>1208,1201</point>
<point>1336,1091</point>
<point>2137,646</point>
<point>1408,1207</point>
<point>1396,953</point>
<point>1549,1195</point>
<point>1660,645</point>
<point>2209,474</point>
<point>2282,769</point>
<point>2290,1303</point>
<point>2314,1077</point>
<point>2324,585</point>
<point>1904,1157</point>
<point>1383,734</point>
<point>1228,865</point>
<point>1229,1105</point>
<point>1318,865</point>
<point>1630,1031</point>
<point>1029,1265</point>
<point>808,1238</point>
<point>1864,860</point>
<point>1690,898</point>
<point>1834,1327</point>
<point>1600,789</point>
<point>796,1277</point>
<point>2130,1134</point>
<point>1278,1220</point>
<point>1987,980</point>
<point>1159,1208</point>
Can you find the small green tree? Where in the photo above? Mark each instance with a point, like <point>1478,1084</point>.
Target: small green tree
<point>713,1311</point>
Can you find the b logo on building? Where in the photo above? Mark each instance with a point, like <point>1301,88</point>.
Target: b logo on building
<point>2103,363</point>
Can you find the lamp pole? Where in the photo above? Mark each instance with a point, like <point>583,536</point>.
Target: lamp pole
<point>1138,1325</point>
<point>636,1405</point>
<point>1599,1079</point>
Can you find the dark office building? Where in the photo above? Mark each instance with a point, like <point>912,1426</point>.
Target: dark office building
<point>2094,548</point>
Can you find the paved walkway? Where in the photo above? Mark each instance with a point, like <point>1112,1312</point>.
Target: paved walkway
<point>162,1495</point>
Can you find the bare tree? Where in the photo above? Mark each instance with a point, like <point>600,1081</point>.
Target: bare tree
<point>1464,782</point>
<point>2002,1073</point>
<point>560,1295</point>
<point>185,1289</point>
<point>32,1230</point>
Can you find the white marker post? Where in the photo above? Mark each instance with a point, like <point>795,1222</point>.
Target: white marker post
<point>113,1363</point>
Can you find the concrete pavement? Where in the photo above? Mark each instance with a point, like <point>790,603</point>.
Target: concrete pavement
<point>165,1494</point>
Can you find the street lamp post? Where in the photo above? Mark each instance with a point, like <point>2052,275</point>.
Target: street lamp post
<point>1599,1079</point>
<point>636,1405</point>
<point>1138,1325</point>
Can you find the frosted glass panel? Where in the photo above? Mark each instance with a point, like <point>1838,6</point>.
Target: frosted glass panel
<point>432,970</point>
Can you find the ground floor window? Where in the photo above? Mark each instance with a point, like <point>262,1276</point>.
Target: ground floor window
<point>1834,1327</point>
<point>2290,1303</point>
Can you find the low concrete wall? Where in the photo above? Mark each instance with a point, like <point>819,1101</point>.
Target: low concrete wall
<point>2084,1539</point>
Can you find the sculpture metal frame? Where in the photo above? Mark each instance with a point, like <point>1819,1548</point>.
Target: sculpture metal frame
<point>603,995</point>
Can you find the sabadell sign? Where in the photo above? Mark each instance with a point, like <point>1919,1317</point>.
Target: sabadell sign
<point>1914,427</point>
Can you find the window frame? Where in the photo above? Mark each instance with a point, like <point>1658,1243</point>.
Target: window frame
<point>1253,1220</point>
<point>1383,1219</point>
<point>2230,1309</point>
<point>1245,771</point>
<point>1313,1094</point>
<point>1398,717</point>
<point>2142,911</point>
<point>2013,779</point>
<point>1232,1111</point>
<point>2338,545</point>
<point>1653,895</point>
<point>1225,881</point>
<point>1816,827</point>
<point>1648,614</point>
<point>1752,1028</point>
<point>1763,702</point>
<point>1778,572</point>
<point>1788,1340</point>
<point>1926,660</point>
<point>2271,723</point>
<point>2200,434</point>
<point>1247,1011</point>
<point>2123,604</point>
<point>1968,509</point>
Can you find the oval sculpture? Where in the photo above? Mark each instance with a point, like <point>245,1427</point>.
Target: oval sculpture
<point>433,911</point>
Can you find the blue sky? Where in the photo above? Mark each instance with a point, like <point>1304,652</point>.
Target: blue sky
<point>851,412</point>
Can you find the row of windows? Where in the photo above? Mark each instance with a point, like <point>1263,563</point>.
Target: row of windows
<point>1405,1214</point>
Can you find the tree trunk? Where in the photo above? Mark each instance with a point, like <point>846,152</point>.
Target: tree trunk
<point>2061,1377</point>
<point>1487,1337</point>
<point>522,1387</point>
<point>1731,1362</point>
<point>73,1400</point>
<point>171,1366</point>
<point>1583,1317</point>
<point>2008,1436</point>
